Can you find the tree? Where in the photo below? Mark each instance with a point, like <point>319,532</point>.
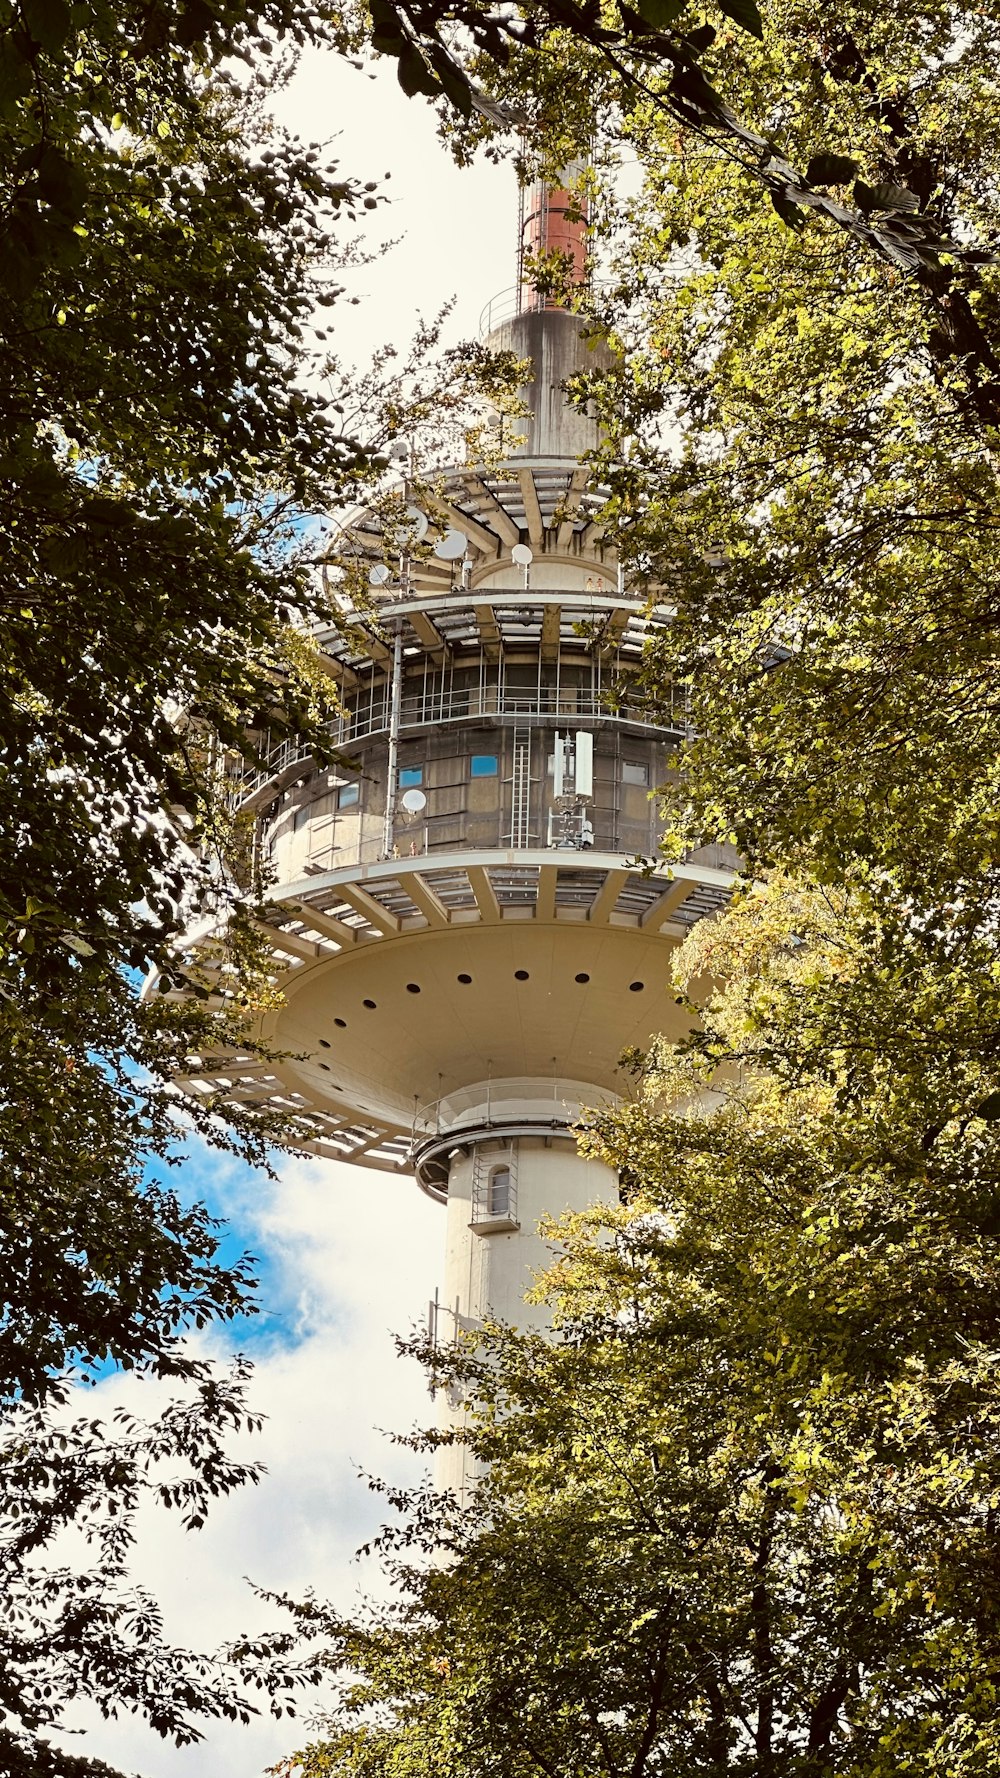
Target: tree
<point>803,456</point>
<point>855,138</point>
<point>162,250</point>
<point>739,1515</point>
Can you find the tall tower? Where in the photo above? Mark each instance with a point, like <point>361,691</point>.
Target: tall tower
<point>463,937</point>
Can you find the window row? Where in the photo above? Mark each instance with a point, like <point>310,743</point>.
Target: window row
<point>481,765</point>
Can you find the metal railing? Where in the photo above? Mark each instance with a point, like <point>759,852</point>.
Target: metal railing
<point>440,836</point>
<point>433,707</point>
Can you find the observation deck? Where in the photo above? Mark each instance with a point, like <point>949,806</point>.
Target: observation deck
<point>406,977</point>
<point>469,895</point>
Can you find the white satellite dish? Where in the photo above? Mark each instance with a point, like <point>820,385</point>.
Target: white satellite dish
<point>378,575</point>
<point>522,555</point>
<point>417,522</point>
<point>413,801</point>
<point>452,545</point>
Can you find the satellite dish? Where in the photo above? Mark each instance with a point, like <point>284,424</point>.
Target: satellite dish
<point>379,574</point>
<point>522,555</point>
<point>399,451</point>
<point>417,522</point>
<point>452,545</point>
<point>413,801</point>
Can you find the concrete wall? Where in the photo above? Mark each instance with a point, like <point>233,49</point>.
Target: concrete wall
<point>551,339</point>
<point>488,1269</point>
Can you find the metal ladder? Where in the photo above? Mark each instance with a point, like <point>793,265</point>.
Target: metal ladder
<point>520,802</point>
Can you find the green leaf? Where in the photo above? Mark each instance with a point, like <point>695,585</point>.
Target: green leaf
<point>701,38</point>
<point>831,169</point>
<point>884,197</point>
<point>452,79</point>
<point>745,14</point>
<point>790,213</point>
<point>61,183</point>
<point>48,22</point>
<point>661,14</point>
<point>413,74</point>
<point>989,1108</point>
<point>78,945</point>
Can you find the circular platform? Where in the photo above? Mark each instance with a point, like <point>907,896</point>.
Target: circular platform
<point>407,980</point>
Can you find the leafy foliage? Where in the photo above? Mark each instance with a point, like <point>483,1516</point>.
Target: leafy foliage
<point>73,1631</point>
<point>563,71</point>
<point>739,1515</point>
<point>161,249</point>
<point>801,452</point>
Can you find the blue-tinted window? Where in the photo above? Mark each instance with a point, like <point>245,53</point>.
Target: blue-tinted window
<point>348,794</point>
<point>411,776</point>
<point>484,765</point>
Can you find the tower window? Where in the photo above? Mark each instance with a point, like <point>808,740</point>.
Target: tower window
<point>634,772</point>
<point>498,1194</point>
<point>302,816</point>
<point>347,795</point>
<point>483,765</point>
<point>410,777</point>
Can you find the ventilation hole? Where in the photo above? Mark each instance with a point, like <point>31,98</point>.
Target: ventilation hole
<point>581,978</point>
<point>325,1067</point>
<point>520,975</point>
<point>465,980</point>
<point>342,1023</point>
<point>413,987</point>
<point>323,1043</point>
<point>371,1004</point>
<point>636,987</point>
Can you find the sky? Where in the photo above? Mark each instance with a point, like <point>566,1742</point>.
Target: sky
<point>348,1257</point>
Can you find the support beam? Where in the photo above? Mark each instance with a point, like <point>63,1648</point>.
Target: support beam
<point>429,634</point>
<point>374,912</point>
<point>489,506</point>
<point>326,924</point>
<point>550,634</point>
<point>532,510</point>
<point>371,645</point>
<point>548,877</point>
<point>489,635</point>
<point>600,909</point>
<point>569,508</point>
<point>614,630</point>
<point>433,910</point>
<point>482,889</point>
<point>485,541</point>
<point>304,948</point>
<point>338,671</point>
<point>667,904</point>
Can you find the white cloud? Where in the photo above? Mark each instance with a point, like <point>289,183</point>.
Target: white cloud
<point>354,1257</point>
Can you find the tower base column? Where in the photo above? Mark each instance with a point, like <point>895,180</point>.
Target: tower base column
<point>505,1174</point>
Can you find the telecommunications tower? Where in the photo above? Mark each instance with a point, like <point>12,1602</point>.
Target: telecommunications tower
<point>462,944</point>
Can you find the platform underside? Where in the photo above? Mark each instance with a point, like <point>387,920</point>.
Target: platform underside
<point>406,980</point>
